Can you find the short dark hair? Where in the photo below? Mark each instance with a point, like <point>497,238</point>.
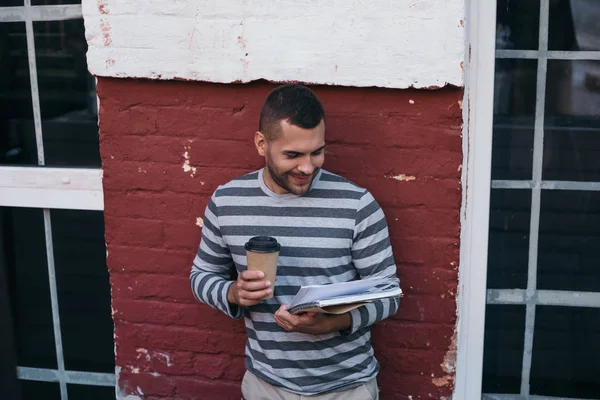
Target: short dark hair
<point>296,104</point>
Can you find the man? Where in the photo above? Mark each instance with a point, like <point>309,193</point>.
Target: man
<point>330,230</point>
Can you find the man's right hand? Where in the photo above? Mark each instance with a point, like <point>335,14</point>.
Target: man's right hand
<point>249,289</point>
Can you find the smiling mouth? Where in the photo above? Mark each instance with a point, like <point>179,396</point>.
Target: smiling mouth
<point>302,178</point>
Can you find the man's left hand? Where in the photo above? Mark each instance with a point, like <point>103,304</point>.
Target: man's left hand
<point>311,322</point>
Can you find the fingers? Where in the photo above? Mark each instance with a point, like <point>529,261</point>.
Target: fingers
<point>251,288</point>
<point>284,319</point>
<point>251,275</point>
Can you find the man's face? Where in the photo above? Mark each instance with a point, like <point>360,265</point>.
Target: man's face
<point>294,158</point>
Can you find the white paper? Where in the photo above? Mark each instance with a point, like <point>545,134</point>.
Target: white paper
<point>314,293</point>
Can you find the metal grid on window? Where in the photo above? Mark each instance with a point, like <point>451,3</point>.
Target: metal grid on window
<point>30,14</point>
<point>531,296</point>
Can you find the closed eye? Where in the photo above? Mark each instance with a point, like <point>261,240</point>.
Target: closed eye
<point>318,151</point>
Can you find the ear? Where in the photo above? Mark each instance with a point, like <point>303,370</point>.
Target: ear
<point>260,141</point>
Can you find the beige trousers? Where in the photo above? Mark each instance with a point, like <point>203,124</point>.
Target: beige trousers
<point>254,388</point>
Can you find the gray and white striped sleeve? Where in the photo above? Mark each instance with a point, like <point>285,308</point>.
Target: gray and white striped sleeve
<point>372,257</point>
<point>213,265</point>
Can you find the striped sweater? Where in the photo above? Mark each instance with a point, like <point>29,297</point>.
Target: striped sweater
<point>335,232</point>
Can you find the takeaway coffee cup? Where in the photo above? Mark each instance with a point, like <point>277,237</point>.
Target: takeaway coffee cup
<point>262,253</point>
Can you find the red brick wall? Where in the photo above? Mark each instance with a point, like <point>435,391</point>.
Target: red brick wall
<point>403,145</point>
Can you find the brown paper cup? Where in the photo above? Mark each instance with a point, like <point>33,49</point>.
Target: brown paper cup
<point>262,253</point>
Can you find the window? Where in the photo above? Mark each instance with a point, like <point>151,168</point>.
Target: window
<point>539,137</point>
<point>54,290</point>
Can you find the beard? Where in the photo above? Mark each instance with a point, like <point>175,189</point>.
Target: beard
<point>284,179</point>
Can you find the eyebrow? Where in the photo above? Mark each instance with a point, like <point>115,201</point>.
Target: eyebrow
<point>295,153</point>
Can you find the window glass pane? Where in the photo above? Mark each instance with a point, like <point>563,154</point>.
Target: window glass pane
<point>565,339</point>
<point>573,25</point>
<point>572,125</point>
<point>510,213</point>
<point>565,352</point>
<point>53,2</point>
<point>11,3</point>
<point>517,24</point>
<point>67,94</point>
<point>569,241</point>
<point>91,392</point>
<point>40,390</point>
<point>23,256</point>
<point>83,290</point>
<point>514,108</point>
<point>17,137</point>
<point>503,348</point>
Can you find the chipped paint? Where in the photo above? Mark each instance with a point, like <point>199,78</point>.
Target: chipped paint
<point>103,7</point>
<point>105,28</point>
<point>186,163</point>
<point>401,177</point>
<point>449,363</point>
<point>119,393</point>
<point>199,222</point>
<point>442,381</point>
<point>411,101</point>
<point>141,352</point>
<point>165,358</point>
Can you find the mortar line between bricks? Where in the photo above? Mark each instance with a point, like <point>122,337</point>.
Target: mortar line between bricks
<point>442,239</point>
<point>195,329</point>
<point>190,302</point>
<point>154,274</point>
<point>420,207</point>
<point>150,248</point>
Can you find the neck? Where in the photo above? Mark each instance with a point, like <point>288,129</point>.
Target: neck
<point>274,187</point>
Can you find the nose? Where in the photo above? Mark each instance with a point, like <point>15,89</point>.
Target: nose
<point>306,167</point>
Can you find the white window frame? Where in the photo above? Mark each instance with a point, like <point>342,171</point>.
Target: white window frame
<point>477,184</point>
<point>476,180</point>
<point>50,188</point>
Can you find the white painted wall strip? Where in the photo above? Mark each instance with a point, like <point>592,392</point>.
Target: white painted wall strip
<point>383,43</point>
<point>74,377</point>
<point>41,13</point>
<point>534,225</point>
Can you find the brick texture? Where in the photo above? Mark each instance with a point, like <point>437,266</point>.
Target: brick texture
<point>165,148</point>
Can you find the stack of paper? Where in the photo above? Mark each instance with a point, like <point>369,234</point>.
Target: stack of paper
<point>338,298</point>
